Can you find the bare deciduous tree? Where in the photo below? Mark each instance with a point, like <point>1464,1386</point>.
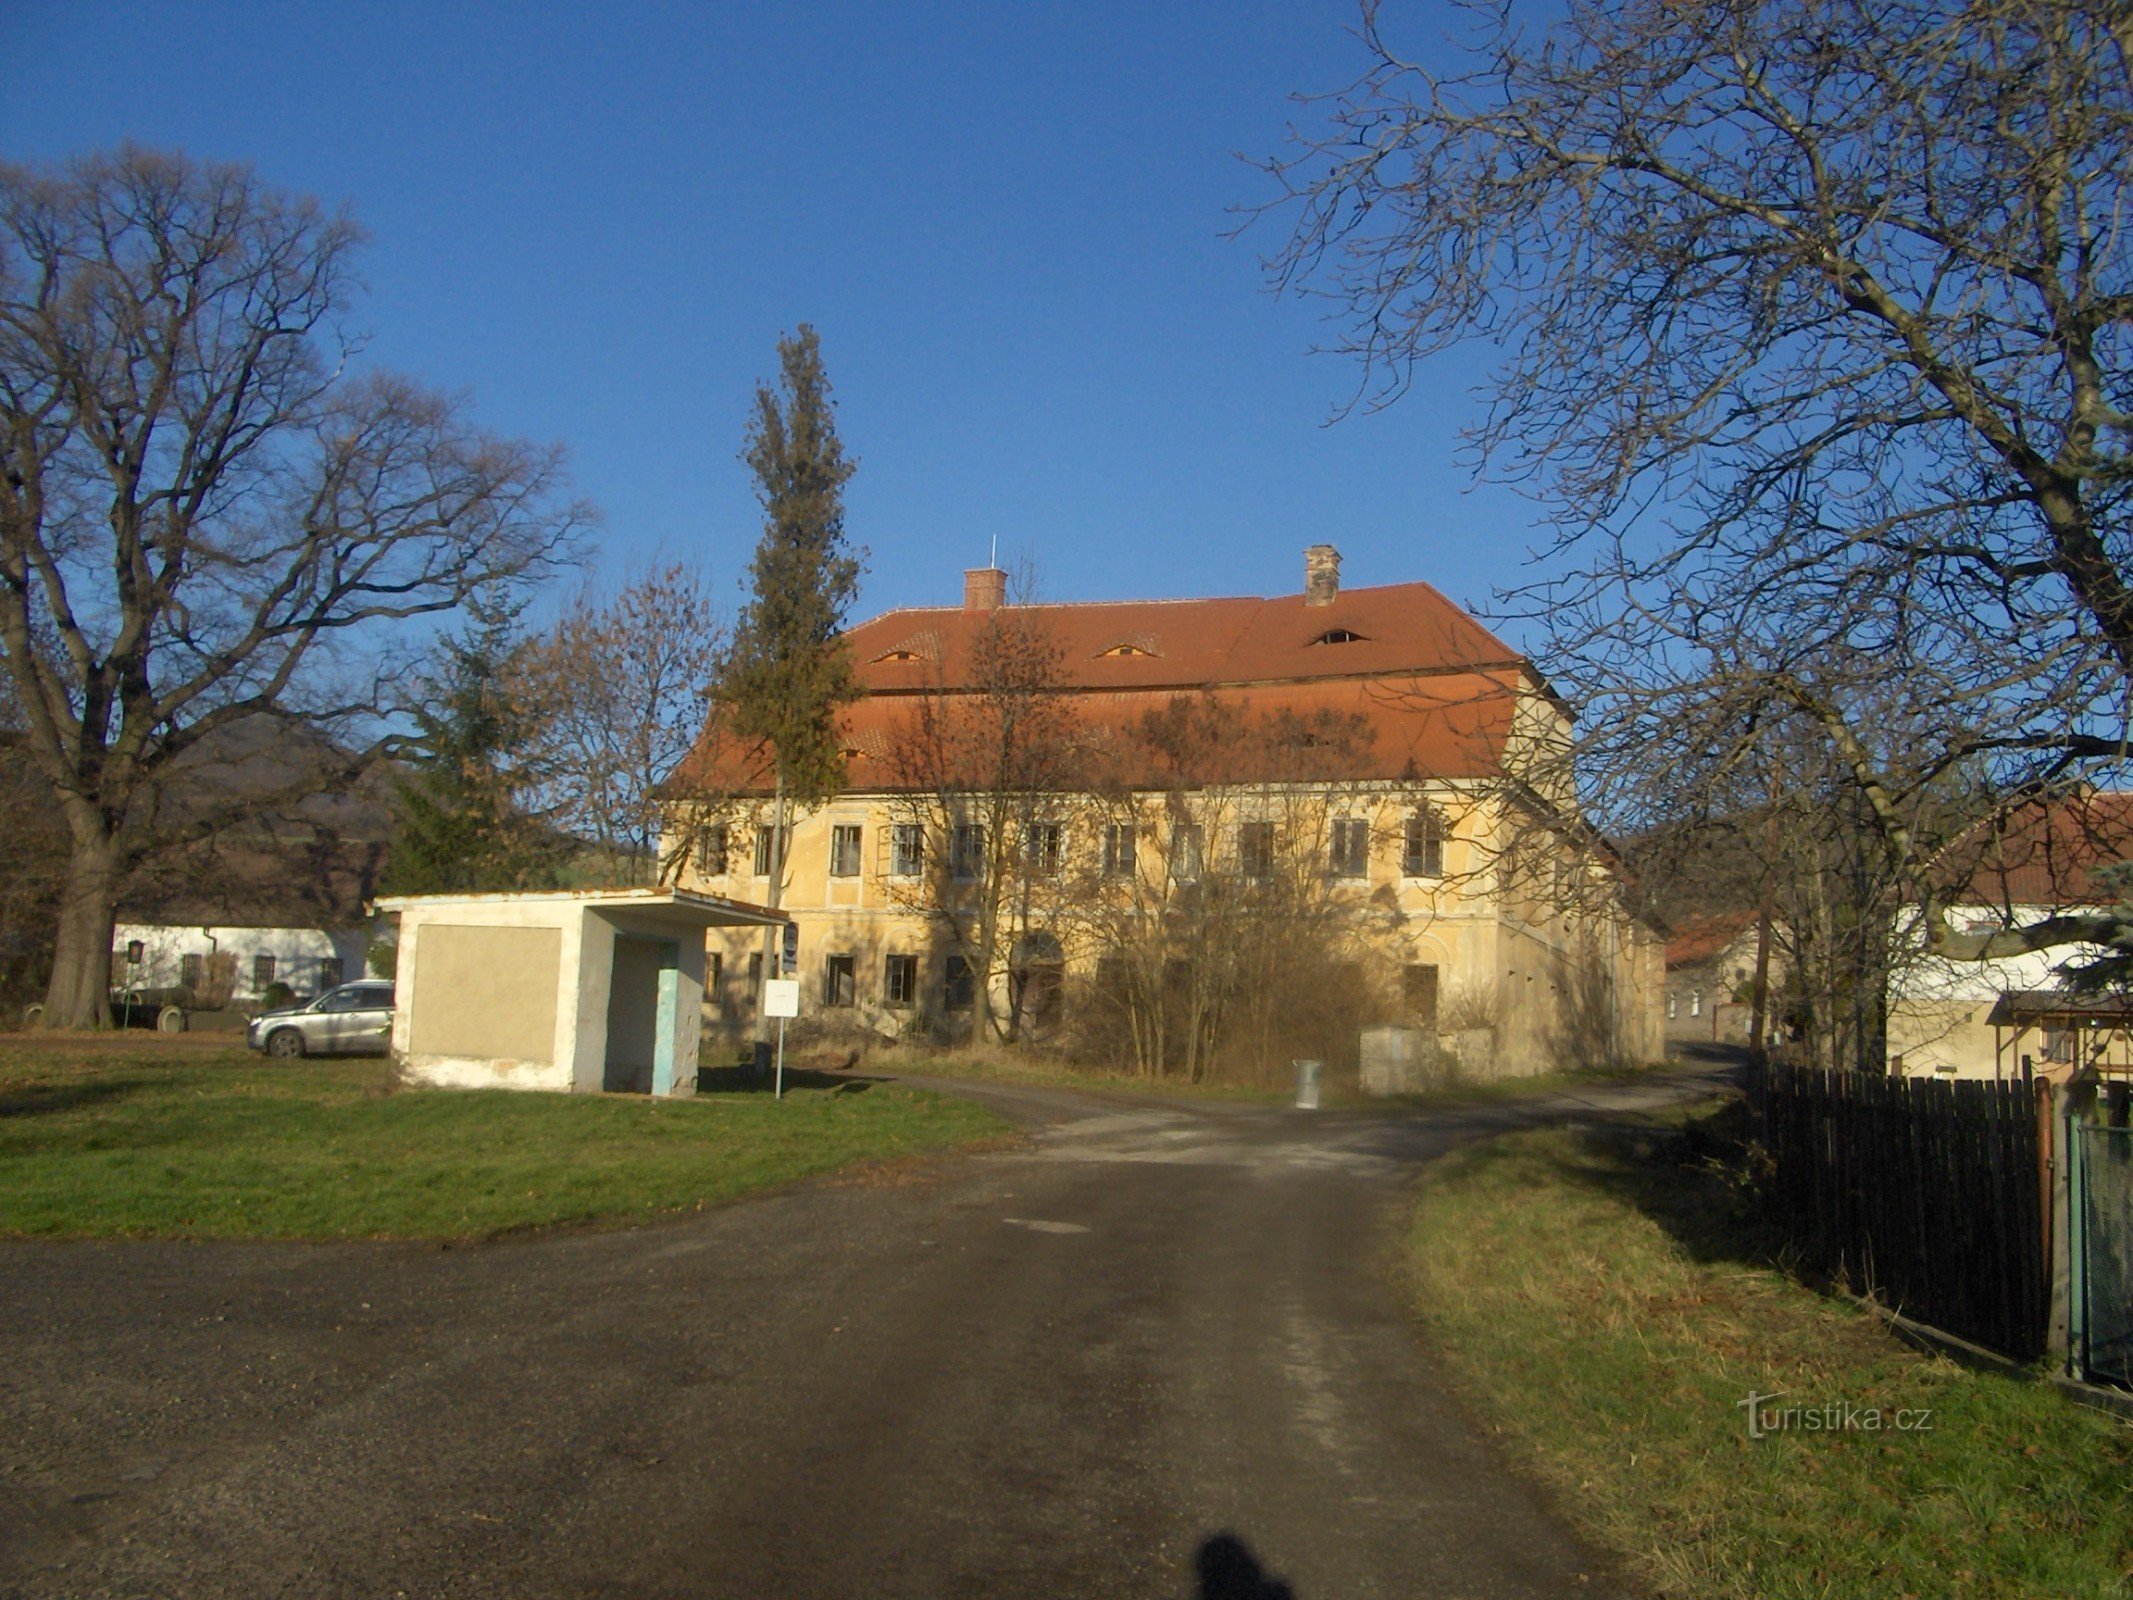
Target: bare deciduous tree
<point>983,773</point>
<point>1219,925</point>
<point>1818,322</point>
<point>615,693</point>
<point>205,515</point>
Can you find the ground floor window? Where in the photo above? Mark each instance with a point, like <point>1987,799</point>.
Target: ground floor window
<point>190,971</point>
<point>262,972</point>
<point>959,987</point>
<point>899,981</point>
<point>1418,984</point>
<point>840,984</point>
<point>329,973</point>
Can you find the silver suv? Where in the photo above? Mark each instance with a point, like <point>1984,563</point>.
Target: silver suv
<point>356,1018</point>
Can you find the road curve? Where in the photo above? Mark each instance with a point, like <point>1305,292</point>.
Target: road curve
<point>1057,1370</point>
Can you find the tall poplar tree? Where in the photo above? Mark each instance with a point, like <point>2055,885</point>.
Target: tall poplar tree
<point>788,671</point>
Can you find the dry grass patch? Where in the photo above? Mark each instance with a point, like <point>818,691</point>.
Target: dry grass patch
<point>1608,1306</point>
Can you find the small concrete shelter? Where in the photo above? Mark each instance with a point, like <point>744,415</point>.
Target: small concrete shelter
<point>580,991</point>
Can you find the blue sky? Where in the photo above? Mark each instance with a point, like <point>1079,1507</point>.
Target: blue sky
<point>1007,222</point>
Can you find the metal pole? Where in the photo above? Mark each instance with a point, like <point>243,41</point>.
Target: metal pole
<point>781,1060</point>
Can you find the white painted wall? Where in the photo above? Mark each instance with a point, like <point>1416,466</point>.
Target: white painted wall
<point>296,952</point>
<point>470,1072</point>
<point>584,980</point>
<point>1938,1008</point>
<point>1933,979</point>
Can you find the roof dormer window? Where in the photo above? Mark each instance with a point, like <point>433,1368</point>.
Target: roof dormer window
<point>1132,644</point>
<point>1339,636</point>
<point>922,646</point>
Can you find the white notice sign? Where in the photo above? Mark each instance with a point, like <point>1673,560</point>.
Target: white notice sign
<point>781,997</point>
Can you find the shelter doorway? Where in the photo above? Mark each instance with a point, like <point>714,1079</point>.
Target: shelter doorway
<point>641,1000</point>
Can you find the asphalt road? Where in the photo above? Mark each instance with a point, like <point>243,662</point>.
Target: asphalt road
<point>1061,1370</point>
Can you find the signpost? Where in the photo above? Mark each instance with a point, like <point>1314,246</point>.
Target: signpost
<point>781,999</point>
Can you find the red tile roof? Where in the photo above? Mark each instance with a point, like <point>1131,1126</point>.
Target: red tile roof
<point>1700,938</point>
<point>2041,854</point>
<point>1188,644</point>
<point>1434,689</point>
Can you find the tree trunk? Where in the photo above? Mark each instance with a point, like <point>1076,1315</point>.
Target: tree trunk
<point>79,995</point>
<point>773,935</point>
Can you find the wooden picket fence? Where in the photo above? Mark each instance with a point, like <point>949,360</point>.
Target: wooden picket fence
<point>1925,1193</point>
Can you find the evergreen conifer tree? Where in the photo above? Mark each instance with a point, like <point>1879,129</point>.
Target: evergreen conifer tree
<point>788,671</point>
<point>460,827</point>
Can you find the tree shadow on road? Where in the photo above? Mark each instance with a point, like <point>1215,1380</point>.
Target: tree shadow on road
<point>746,1080</point>
<point>1229,1571</point>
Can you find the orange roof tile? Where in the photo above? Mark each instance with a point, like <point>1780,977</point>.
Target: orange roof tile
<point>2042,854</point>
<point>1433,690</point>
<point>1697,939</point>
<point>1190,644</point>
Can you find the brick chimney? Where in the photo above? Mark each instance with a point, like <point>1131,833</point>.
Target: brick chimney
<point>984,589</point>
<point>1322,575</point>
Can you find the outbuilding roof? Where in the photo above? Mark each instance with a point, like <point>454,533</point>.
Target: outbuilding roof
<point>679,907</point>
<point>2045,852</point>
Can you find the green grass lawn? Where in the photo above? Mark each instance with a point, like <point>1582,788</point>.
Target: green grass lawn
<point>136,1138</point>
<point>1606,1306</point>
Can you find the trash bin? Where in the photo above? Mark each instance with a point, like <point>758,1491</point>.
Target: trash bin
<point>1307,1075</point>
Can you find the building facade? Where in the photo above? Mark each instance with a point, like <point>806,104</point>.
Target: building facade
<point>1710,978</point>
<point>232,964</point>
<point>1994,1018</point>
<point>1331,805</point>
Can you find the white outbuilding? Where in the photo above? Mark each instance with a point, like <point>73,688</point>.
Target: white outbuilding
<point>574,990</point>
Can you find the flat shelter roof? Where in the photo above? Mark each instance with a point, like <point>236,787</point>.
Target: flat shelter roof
<point>2018,1006</point>
<point>680,906</point>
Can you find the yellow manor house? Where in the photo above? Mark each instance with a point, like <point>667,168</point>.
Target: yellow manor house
<point>1188,836</point>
